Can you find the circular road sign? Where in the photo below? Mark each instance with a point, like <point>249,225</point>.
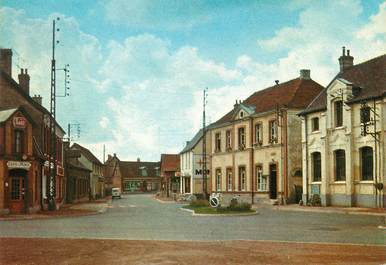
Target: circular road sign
<point>214,202</point>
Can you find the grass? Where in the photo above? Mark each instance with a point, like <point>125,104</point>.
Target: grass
<point>210,210</point>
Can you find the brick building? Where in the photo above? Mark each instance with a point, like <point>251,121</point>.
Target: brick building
<point>14,95</point>
<point>170,170</point>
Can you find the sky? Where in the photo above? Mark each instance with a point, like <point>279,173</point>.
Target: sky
<point>138,68</point>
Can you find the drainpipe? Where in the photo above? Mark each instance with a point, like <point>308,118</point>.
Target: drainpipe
<point>306,143</point>
<point>251,160</point>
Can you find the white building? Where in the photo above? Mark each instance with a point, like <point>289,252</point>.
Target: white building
<point>191,165</point>
<point>342,163</point>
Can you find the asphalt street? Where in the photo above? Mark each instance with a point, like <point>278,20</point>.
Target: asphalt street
<point>141,217</point>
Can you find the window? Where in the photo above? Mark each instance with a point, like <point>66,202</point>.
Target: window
<point>157,171</point>
<point>19,143</point>
<point>229,179</point>
<point>315,124</point>
<point>228,140</point>
<point>365,114</point>
<point>143,171</point>
<point>218,142</point>
<point>242,179</point>
<point>218,179</point>
<point>273,131</point>
<point>338,113</point>
<point>241,131</point>
<point>241,114</point>
<point>258,133</point>
<point>367,163</point>
<point>316,166</point>
<point>340,165</point>
<point>261,179</point>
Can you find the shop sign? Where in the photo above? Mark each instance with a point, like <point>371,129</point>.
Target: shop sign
<point>19,122</point>
<point>18,164</point>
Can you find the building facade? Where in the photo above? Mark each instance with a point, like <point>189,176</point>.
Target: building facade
<point>91,162</point>
<point>191,162</point>
<point>170,170</point>
<point>343,137</point>
<point>17,94</point>
<point>256,147</point>
<point>132,176</point>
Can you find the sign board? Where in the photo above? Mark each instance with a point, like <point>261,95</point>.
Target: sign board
<point>197,167</point>
<point>18,165</point>
<point>19,122</point>
<point>214,202</point>
<point>315,189</point>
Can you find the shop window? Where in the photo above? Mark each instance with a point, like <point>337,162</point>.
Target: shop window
<point>316,166</point>
<point>340,165</point>
<point>367,163</point>
<point>315,124</point>
<point>338,113</point>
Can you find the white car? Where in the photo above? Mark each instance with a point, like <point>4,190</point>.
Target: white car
<point>116,193</point>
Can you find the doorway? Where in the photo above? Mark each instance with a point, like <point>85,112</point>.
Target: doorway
<point>17,188</point>
<point>272,181</point>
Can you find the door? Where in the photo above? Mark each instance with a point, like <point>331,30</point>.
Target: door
<point>17,195</point>
<point>272,181</point>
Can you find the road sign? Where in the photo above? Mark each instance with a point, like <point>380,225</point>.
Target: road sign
<point>214,202</point>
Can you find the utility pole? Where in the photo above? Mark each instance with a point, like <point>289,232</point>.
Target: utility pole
<point>204,166</point>
<point>51,183</point>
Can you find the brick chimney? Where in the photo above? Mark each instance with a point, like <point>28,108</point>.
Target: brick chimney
<point>346,60</point>
<point>305,74</point>
<point>6,61</point>
<point>38,99</point>
<point>24,80</point>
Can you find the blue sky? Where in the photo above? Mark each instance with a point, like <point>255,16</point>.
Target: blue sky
<point>138,67</point>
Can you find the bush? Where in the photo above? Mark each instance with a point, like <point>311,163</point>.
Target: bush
<point>236,206</point>
<point>315,200</point>
<point>199,203</point>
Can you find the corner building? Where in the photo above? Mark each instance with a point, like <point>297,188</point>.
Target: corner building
<point>256,147</point>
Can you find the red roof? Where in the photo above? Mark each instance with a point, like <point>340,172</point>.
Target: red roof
<point>170,162</point>
<point>296,93</point>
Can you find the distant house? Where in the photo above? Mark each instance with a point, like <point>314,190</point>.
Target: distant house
<point>132,176</point>
<point>170,169</point>
<point>89,160</point>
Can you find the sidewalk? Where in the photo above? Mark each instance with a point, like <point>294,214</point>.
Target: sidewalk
<point>328,209</point>
<point>67,210</point>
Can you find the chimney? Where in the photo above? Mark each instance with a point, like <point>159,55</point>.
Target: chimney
<point>236,104</point>
<point>6,61</point>
<point>24,80</point>
<point>345,61</point>
<point>276,82</point>
<point>109,157</point>
<point>38,99</point>
<point>305,74</point>
<point>138,160</point>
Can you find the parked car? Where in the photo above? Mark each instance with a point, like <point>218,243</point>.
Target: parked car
<point>116,193</point>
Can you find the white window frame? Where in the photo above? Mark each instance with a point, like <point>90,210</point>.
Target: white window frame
<point>229,179</point>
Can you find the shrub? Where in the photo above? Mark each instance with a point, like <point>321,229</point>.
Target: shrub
<point>236,206</point>
<point>199,203</point>
<point>315,200</point>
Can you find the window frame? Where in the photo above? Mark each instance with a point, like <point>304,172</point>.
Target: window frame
<point>315,124</point>
<point>218,179</point>
<point>228,139</point>
<point>259,133</point>
<point>241,137</point>
<point>273,131</point>
<point>18,142</point>
<point>338,113</point>
<point>242,178</point>
<point>260,184</point>
<point>229,177</point>
<point>316,172</point>
<point>217,140</point>
<point>365,169</point>
<point>340,169</point>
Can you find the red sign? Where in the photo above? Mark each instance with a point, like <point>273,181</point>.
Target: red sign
<point>19,122</point>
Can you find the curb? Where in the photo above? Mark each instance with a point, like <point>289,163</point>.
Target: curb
<point>219,215</point>
<point>161,201</point>
<point>327,211</point>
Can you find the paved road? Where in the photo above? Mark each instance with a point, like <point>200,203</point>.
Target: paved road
<point>142,217</point>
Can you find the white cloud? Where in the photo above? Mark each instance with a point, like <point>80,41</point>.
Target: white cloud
<point>104,122</point>
<point>376,27</point>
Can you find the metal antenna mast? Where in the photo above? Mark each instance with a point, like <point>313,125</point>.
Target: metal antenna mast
<point>52,156</point>
<point>204,166</point>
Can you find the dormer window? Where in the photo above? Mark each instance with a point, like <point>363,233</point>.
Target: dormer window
<point>338,110</point>
<point>315,124</point>
<point>241,114</point>
<point>19,143</point>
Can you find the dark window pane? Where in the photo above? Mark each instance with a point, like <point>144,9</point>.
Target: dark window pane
<point>338,113</point>
<point>367,163</point>
<point>340,165</point>
<point>317,167</point>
